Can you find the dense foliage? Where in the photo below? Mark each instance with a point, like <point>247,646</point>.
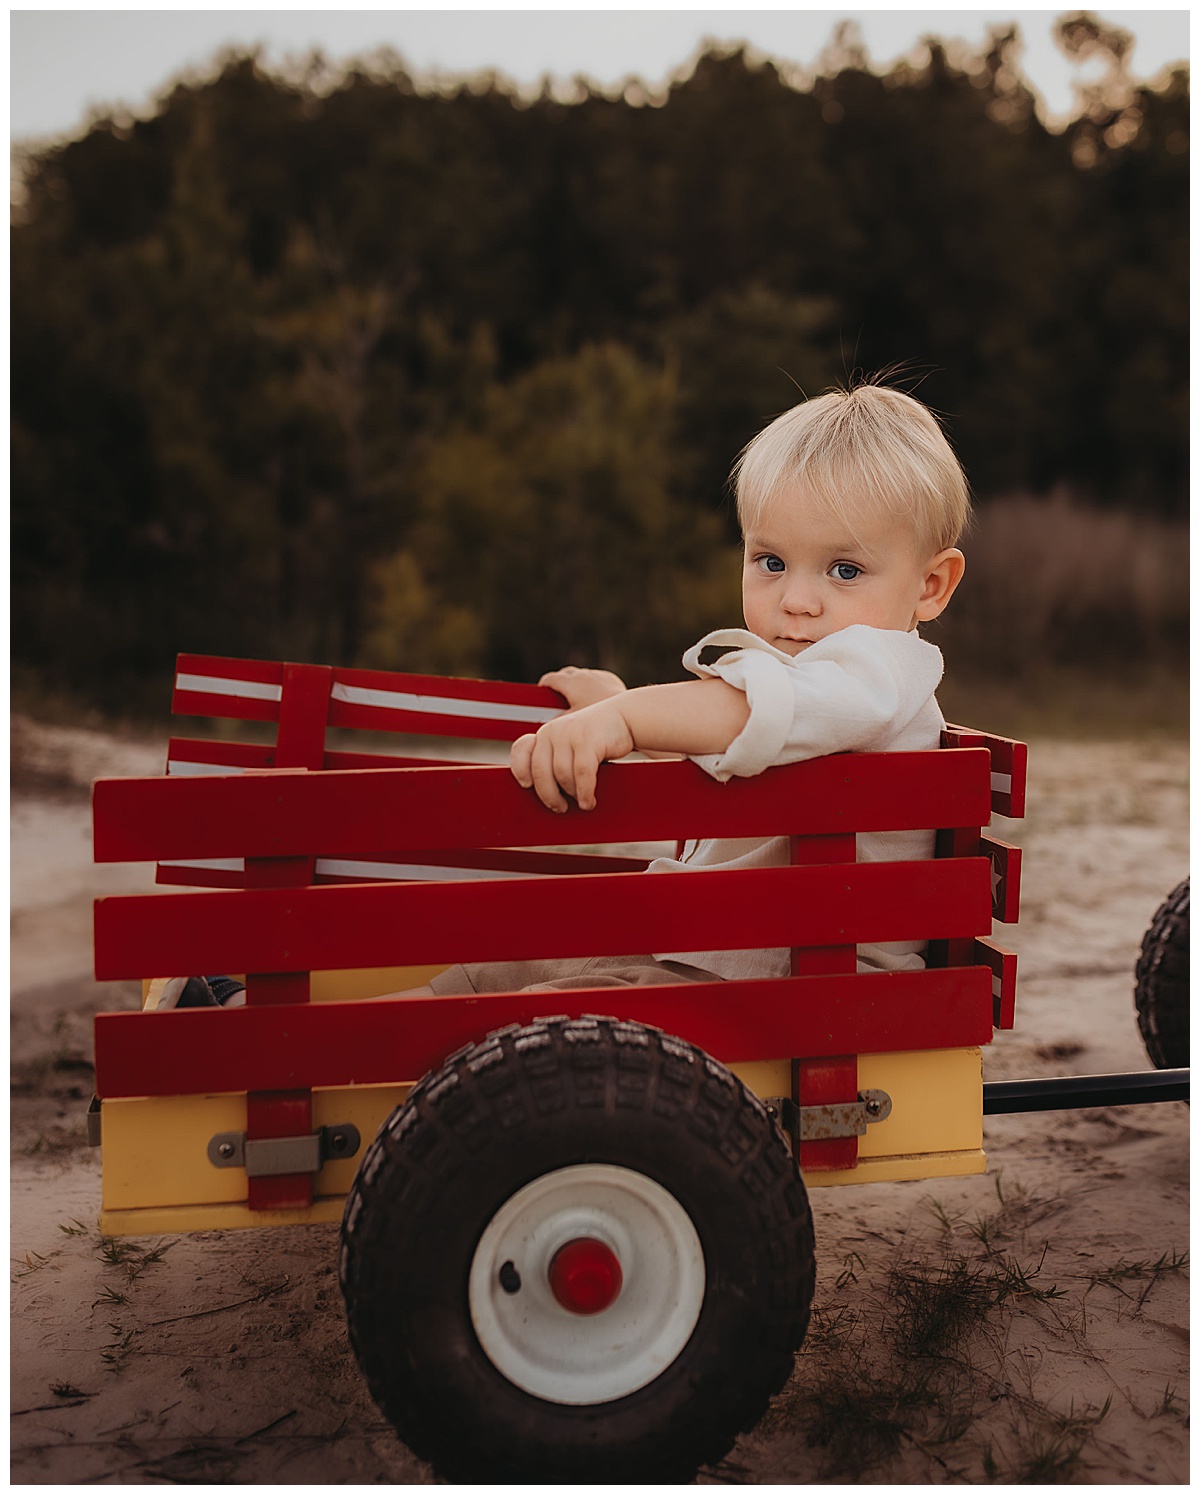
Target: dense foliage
<point>453,379</point>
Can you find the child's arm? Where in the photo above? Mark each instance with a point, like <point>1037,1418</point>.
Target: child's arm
<point>693,716</point>
<point>583,687</point>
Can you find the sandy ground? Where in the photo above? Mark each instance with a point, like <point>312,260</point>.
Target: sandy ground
<point>1028,1326</point>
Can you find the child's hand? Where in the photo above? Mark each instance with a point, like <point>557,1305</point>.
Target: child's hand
<point>583,687</point>
<point>565,754</point>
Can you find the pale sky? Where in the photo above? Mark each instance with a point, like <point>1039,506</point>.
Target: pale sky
<point>64,63</point>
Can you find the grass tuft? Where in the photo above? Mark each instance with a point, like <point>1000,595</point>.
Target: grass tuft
<point>116,1354</point>
<point>1146,1272</point>
<point>32,1261</point>
<point>908,1372</point>
<point>1051,1452</point>
<point>937,1304</point>
<point>1166,1405</point>
<point>860,1419</point>
<point>133,1258</point>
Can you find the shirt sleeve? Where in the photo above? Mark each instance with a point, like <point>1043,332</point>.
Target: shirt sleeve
<point>850,692</point>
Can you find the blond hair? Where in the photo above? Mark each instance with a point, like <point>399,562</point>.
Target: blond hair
<point>865,451</point>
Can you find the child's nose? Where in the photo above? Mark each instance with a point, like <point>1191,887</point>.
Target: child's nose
<point>803,598</point>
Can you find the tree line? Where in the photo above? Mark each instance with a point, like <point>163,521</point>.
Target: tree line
<point>365,372</point>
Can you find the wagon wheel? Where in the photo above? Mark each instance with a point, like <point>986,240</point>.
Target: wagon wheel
<point>579,1252</point>
<point>1163,988</point>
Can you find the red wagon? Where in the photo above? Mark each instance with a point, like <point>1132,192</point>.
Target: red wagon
<point>576,1240</point>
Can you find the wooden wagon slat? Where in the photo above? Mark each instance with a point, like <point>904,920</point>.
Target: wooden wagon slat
<point>206,872</point>
<point>1009,765</point>
<point>449,687</point>
<point>1002,964</point>
<point>422,724</point>
<point>361,811</point>
<point>194,756</point>
<point>1006,878</point>
<point>341,759</point>
<point>384,924</point>
<point>443,704</point>
<point>1010,761</point>
<point>431,705</point>
<point>254,687</point>
<point>348,1043</point>
<point>268,671</point>
<point>228,707</point>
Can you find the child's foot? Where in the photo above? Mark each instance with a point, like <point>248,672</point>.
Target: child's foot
<point>197,991</point>
<point>227,991</point>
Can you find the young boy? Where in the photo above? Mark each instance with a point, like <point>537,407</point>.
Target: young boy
<point>851,507</point>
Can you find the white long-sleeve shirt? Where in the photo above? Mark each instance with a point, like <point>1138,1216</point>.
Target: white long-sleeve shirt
<point>862,689</point>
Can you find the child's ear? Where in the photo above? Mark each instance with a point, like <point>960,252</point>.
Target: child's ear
<point>942,575</point>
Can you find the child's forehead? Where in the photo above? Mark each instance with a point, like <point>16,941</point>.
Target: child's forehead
<point>799,515</point>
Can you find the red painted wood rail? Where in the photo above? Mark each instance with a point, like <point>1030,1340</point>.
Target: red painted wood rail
<point>369,811</point>
<point>382,924</point>
<point>382,1042</point>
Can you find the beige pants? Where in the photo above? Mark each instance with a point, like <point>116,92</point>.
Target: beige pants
<point>564,975</point>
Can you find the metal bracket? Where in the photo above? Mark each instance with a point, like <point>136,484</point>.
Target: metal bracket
<point>270,1157</point>
<point>820,1123</point>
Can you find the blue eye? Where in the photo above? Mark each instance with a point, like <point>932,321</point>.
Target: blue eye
<point>846,571</point>
<point>770,563</point>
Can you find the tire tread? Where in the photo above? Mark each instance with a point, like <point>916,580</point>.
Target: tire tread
<point>1162,992</point>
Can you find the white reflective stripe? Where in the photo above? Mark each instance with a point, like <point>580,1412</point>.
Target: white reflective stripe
<point>1002,783</point>
<point>333,867</point>
<point>182,768</point>
<point>399,700</point>
<point>212,864</point>
<point>210,685</point>
<point>997,985</point>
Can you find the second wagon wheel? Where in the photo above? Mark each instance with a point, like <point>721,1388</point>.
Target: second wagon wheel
<point>580,1252</point>
<point>1163,989</point>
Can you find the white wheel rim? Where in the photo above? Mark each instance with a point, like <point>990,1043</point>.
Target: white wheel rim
<point>572,1358</point>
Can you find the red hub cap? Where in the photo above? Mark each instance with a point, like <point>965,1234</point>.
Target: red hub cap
<point>585,1275</point>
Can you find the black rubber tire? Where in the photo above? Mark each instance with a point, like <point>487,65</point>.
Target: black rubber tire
<point>1163,990</point>
<point>501,1113</point>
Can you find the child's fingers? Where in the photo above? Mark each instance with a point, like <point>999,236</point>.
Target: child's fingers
<point>559,759</point>
<point>519,759</point>
<point>583,687</point>
<point>586,766</point>
<point>564,763</point>
<point>544,782</point>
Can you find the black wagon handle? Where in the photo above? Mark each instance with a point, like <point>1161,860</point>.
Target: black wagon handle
<point>1074,1092</point>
